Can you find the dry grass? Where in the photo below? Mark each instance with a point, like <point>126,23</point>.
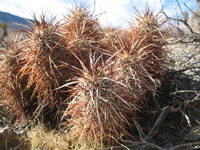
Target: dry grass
<point>39,138</point>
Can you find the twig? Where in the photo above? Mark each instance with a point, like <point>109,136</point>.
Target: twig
<point>186,91</point>
<point>187,118</point>
<point>191,10</point>
<point>184,69</point>
<point>94,7</point>
<point>139,129</point>
<point>133,146</point>
<point>184,145</point>
<point>177,41</point>
<point>180,7</point>
<point>161,117</point>
<point>184,21</point>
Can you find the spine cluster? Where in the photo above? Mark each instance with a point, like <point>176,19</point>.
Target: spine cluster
<point>92,78</point>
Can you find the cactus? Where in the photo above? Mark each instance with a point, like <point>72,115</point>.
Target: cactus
<point>13,86</point>
<point>101,103</point>
<point>81,33</point>
<point>94,79</point>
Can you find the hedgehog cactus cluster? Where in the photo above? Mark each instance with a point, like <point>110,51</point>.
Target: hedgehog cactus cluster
<point>93,79</point>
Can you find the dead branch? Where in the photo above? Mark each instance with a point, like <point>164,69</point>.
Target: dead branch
<point>161,117</point>
<point>185,145</point>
